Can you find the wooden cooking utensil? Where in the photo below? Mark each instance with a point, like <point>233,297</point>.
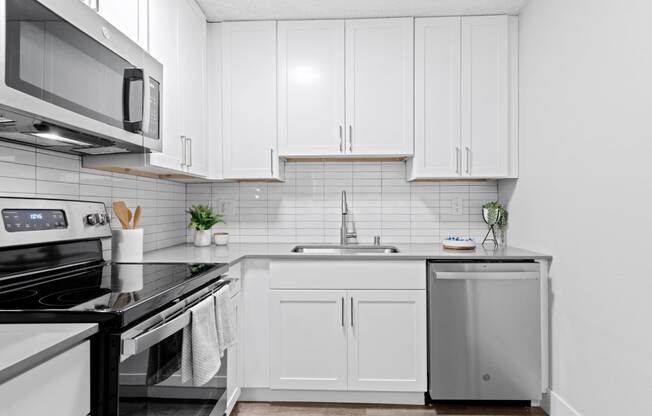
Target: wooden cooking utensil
<point>121,211</point>
<point>129,216</point>
<point>137,216</point>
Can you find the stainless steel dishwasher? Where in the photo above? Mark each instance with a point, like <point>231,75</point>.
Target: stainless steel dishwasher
<point>484,331</point>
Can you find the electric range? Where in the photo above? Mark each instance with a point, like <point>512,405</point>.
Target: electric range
<point>52,270</point>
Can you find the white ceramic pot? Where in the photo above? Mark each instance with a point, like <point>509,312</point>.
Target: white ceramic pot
<point>221,239</point>
<point>127,245</point>
<point>202,238</point>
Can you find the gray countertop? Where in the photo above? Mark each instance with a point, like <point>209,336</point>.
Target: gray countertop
<point>233,253</point>
<point>24,346</point>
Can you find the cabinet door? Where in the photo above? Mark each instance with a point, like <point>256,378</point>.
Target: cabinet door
<point>379,81</point>
<point>311,87</point>
<point>234,360</point>
<point>485,96</point>
<point>249,100</point>
<point>308,340</point>
<point>58,387</point>
<point>387,340</point>
<point>192,58</point>
<point>437,151</point>
<point>164,46</point>
<point>128,16</point>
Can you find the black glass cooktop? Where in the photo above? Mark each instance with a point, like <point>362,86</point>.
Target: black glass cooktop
<point>127,290</point>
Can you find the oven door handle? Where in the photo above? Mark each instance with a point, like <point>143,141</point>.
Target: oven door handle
<point>144,340</point>
<point>136,345</point>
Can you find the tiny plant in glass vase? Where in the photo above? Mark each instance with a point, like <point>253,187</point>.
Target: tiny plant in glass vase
<point>202,219</point>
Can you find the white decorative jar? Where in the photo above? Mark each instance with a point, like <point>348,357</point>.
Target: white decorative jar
<point>202,238</point>
<point>221,239</point>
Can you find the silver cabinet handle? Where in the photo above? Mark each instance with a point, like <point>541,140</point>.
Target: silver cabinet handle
<point>271,161</point>
<point>342,311</point>
<point>183,151</point>
<point>189,143</point>
<point>468,159</point>
<point>351,311</point>
<point>350,138</point>
<point>341,140</point>
<point>457,159</point>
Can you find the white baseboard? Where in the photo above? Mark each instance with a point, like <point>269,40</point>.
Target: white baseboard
<point>269,395</point>
<point>555,405</point>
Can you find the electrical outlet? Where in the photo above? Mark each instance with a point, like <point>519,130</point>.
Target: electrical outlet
<point>458,206</point>
<point>225,207</point>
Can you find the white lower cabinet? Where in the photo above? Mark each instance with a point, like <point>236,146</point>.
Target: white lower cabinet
<point>61,386</point>
<point>308,340</point>
<point>355,340</point>
<point>234,359</point>
<point>387,340</point>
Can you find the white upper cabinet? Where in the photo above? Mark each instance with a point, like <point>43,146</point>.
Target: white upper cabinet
<point>485,96</point>
<point>465,98</point>
<point>379,86</point>
<point>249,100</point>
<point>128,16</point>
<point>192,57</point>
<point>311,87</point>
<point>164,46</point>
<point>437,147</point>
<point>177,38</point>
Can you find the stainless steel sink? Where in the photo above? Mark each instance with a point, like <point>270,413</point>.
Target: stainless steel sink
<point>348,249</point>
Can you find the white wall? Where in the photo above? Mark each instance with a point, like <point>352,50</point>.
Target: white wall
<point>306,207</point>
<point>585,194</point>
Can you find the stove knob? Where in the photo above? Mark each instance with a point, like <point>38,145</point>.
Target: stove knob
<point>92,219</point>
<point>104,219</point>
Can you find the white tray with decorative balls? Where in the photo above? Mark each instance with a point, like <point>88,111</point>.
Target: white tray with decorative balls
<point>459,243</point>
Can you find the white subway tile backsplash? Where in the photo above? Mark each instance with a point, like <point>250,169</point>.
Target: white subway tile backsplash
<point>306,207</point>
<point>29,172</point>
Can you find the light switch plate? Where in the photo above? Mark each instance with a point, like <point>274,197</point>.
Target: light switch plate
<point>458,206</point>
<point>225,207</point>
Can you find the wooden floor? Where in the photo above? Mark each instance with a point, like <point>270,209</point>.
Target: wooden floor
<point>321,409</point>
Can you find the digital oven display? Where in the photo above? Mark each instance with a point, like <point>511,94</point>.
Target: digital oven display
<point>18,220</point>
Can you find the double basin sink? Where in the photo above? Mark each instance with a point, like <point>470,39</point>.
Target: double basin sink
<point>344,249</point>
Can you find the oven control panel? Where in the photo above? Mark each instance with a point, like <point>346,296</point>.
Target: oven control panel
<point>35,221</point>
<point>20,220</point>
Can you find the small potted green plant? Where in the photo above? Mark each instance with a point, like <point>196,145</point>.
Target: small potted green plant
<point>202,219</point>
<point>495,215</point>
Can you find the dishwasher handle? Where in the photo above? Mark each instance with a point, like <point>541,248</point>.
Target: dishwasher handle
<point>485,271</point>
<point>486,275</point>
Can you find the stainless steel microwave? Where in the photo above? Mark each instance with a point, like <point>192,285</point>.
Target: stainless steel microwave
<point>72,82</point>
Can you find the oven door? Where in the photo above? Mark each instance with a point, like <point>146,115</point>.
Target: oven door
<point>149,371</point>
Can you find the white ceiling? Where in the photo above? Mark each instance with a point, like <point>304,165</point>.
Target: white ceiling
<point>220,10</point>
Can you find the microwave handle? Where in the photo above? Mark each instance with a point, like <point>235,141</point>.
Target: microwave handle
<point>130,76</point>
<point>147,97</point>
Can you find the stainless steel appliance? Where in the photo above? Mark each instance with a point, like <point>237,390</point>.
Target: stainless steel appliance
<point>71,82</point>
<point>52,270</point>
<point>484,331</point>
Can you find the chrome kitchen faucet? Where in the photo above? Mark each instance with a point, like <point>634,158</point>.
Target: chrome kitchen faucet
<point>345,234</point>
